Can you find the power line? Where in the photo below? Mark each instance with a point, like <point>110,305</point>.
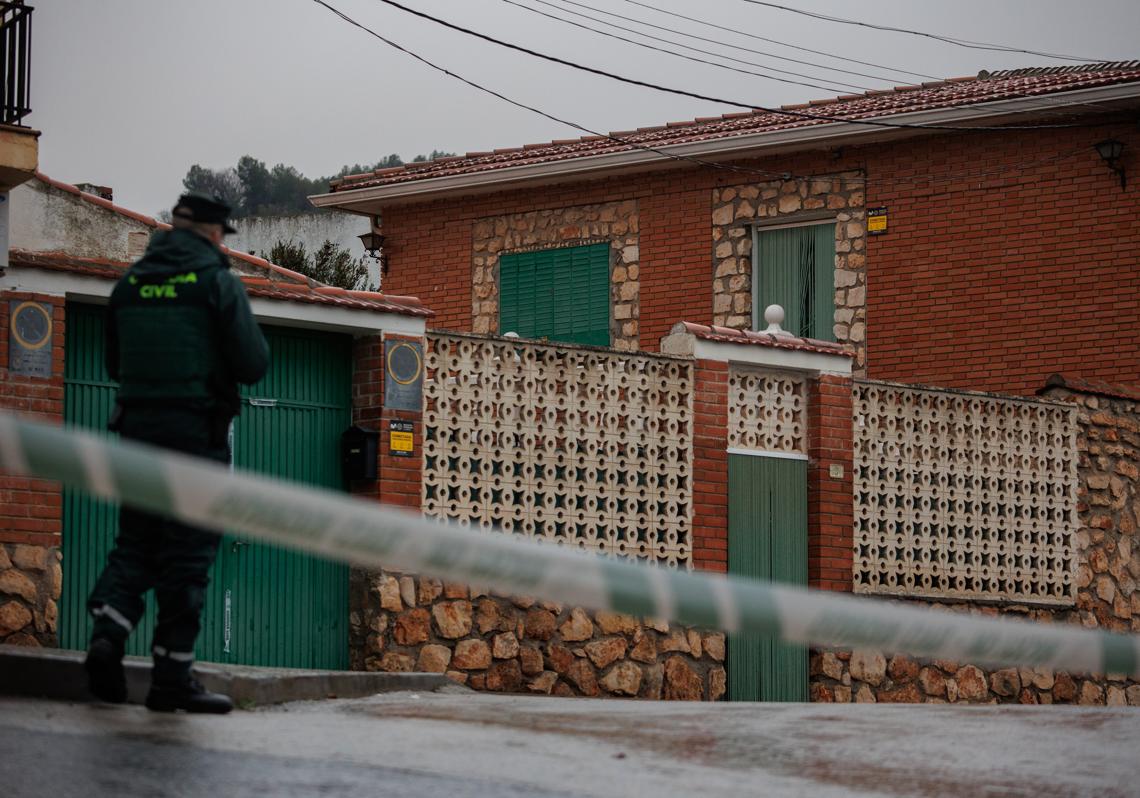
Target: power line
<point>697,96</point>
<point>706,39</point>
<point>766,173</point>
<point>782,44</point>
<point>682,55</point>
<point>1044,103</point>
<point>948,39</point>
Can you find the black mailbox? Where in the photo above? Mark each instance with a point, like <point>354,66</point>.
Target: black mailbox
<point>358,450</point>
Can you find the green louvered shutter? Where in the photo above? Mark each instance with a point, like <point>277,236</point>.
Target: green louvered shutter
<point>559,294</point>
<point>767,539</point>
<point>794,267</point>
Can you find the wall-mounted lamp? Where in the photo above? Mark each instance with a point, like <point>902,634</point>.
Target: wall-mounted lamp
<point>374,246</point>
<point>1110,150</point>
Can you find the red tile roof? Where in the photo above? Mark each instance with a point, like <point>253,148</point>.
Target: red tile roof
<point>952,93</point>
<point>728,335</point>
<point>261,277</point>
<point>308,291</point>
<point>1112,390</point>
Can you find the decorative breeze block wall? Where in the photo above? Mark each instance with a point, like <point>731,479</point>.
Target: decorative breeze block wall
<point>964,496</point>
<point>612,222</point>
<point>767,411</point>
<point>572,445</point>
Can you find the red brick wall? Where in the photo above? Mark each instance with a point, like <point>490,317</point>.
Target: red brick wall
<point>994,284</point>
<point>710,466</point>
<point>829,498</point>
<point>990,282</point>
<point>399,480</point>
<point>31,509</point>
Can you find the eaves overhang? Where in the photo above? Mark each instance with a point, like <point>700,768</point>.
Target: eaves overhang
<point>371,200</point>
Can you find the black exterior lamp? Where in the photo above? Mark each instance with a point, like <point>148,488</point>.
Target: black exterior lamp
<point>1110,151</point>
<point>374,245</point>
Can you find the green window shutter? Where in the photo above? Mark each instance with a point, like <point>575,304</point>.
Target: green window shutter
<point>794,267</point>
<point>559,294</point>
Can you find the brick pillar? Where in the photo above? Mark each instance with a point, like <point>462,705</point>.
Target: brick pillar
<point>830,557</point>
<point>31,510</point>
<point>710,465</point>
<point>399,483</point>
<point>367,396</point>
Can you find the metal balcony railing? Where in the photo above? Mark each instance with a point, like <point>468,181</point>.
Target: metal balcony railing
<point>15,60</point>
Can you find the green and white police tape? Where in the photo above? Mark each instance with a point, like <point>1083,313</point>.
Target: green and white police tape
<point>365,533</point>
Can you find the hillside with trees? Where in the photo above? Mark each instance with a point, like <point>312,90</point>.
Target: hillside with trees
<point>253,189</point>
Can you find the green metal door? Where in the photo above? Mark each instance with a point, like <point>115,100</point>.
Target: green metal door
<point>265,606</point>
<point>767,539</point>
<point>272,606</point>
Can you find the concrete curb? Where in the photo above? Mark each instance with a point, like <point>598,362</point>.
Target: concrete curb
<point>58,674</point>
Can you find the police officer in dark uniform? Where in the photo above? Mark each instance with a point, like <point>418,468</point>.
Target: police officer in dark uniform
<point>180,337</point>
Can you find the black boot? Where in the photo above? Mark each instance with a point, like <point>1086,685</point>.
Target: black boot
<point>189,695</point>
<point>104,666</point>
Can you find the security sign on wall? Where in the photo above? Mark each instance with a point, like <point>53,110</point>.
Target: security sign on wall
<point>403,375</point>
<point>876,221</point>
<point>401,438</point>
<point>29,338</point>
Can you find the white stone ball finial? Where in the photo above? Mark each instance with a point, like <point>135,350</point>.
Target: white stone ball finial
<point>774,315</point>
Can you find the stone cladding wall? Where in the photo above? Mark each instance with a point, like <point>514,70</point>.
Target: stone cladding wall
<point>736,209</point>
<point>30,583</point>
<point>616,223</point>
<point>402,622</point>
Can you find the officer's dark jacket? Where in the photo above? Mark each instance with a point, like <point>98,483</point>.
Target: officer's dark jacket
<point>180,331</point>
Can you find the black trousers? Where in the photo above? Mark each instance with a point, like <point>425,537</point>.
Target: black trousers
<point>153,552</point>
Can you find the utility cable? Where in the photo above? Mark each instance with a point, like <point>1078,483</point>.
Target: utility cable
<point>682,55</point>
<point>706,39</point>
<point>807,115</point>
<point>782,44</point>
<point>766,173</point>
<point>1043,104</point>
<point>1003,48</point>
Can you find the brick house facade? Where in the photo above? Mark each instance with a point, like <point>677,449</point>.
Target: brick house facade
<point>1008,256</point>
<point>990,275</point>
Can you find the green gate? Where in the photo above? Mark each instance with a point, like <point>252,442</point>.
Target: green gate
<point>266,605</point>
<point>767,539</point>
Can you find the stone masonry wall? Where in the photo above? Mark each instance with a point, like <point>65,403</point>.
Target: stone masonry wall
<point>402,622</point>
<point>30,583</point>
<point>736,209</point>
<point>616,223</point>
<point>1108,568</point>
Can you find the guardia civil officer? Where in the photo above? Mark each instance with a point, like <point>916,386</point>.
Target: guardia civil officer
<point>180,337</point>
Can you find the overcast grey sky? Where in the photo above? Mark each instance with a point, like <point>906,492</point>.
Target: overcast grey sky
<point>130,93</point>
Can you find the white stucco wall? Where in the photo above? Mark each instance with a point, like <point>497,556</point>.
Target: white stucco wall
<point>258,234</point>
<point>43,218</point>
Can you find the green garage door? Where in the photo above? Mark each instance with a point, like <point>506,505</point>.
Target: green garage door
<point>266,605</point>
<point>767,539</point>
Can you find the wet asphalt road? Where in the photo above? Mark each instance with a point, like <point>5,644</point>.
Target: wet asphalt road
<point>454,745</point>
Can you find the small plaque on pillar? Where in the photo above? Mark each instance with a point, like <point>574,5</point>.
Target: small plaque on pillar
<point>29,339</point>
<point>403,375</point>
